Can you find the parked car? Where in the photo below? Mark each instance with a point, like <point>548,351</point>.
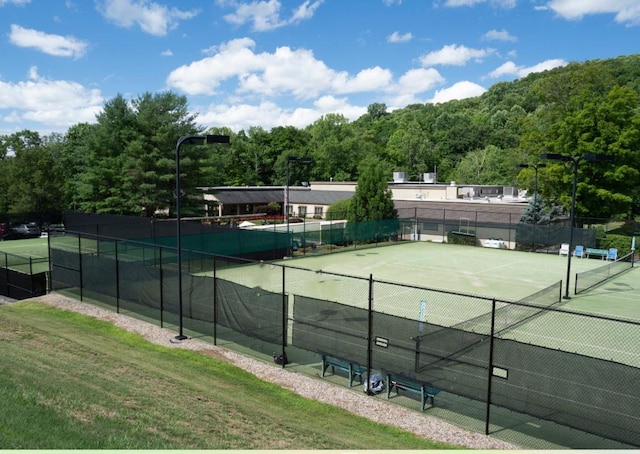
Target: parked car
<point>28,230</point>
<point>6,233</point>
<point>11,235</point>
<point>55,229</point>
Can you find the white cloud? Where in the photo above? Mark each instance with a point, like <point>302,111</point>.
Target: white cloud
<point>265,15</point>
<point>419,80</point>
<point>60,46</point>
<point>286,71</point>
<point>499,35</point>
<point>167,53</point>
<point>410,86</point>
<point>203,77</point>
<point>51,102</point>
<point>305,11</point>
<point>453,54</point>
<point>269,114</point>
<point>459,90</point>
<point>511,69</point>
<point>294,72</point>
<point>396,37</point>
<point>254,82</point>
<point>151,17</point>
<point>626,11</point>
<point>371,79</point>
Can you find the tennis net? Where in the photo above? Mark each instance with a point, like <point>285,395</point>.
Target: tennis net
<point>588,279</point>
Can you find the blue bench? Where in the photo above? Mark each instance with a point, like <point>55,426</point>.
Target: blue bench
<point>602,253</point>
<point>401,382</point>
<point>354,369</point>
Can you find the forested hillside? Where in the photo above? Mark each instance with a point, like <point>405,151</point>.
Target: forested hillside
<point>125,162</point>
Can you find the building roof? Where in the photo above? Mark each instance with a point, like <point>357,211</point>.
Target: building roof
<point>493,211</point>
<point>250,195</point>
<point>305,195</point>
<point>265,194</point>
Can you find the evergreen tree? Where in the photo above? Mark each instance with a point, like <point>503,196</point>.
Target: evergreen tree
<point>373,199</point>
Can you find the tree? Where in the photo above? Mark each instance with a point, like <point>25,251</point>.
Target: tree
<point>31,174</point>
<point>130,163</point>
<point>338,210</point>
<point>607,125</point>
<point>487,166</point>
<point>334,148</point>
<point>373,200</point>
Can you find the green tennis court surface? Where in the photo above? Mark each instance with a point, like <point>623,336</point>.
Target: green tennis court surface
<point>26,256</point>
<point>33,247</point>
<point>504,274</point>
<point>410,272</point>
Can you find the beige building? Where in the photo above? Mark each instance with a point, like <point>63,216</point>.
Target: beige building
<point>433,209</point>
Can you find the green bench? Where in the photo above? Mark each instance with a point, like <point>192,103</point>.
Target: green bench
<point>355,370</point>
<point>602,253</point>
<point>423,390</point>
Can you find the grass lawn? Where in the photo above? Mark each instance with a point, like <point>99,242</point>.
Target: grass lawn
<point>69,381</point>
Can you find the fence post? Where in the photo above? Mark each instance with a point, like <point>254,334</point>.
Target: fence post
<point>6,271</point>
<point>370,334</point>
<point>80,266</point>
<point>444,224</point>
<point>284,315</point>
<point>161,287</point>
<point>490,368</point>
<point>115,249</point>
<point>215,301</point>
<point>475,231</point>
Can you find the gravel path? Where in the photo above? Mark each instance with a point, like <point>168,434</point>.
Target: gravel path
<point>421,424</point>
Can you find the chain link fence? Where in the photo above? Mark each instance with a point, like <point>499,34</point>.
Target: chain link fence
<point>531,356</point>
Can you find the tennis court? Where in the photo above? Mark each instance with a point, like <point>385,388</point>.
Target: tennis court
<point>32,247</point>
<point>503,274</point>
<point>437,283</point>
<point>27,255</point>
<point>483,271</point>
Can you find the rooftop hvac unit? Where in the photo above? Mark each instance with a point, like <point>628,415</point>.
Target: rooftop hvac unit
<point>510,191</point>
<point>429,177</point>
<point>399,177</point>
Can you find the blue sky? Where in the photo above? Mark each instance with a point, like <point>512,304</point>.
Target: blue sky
<point>286,62</point>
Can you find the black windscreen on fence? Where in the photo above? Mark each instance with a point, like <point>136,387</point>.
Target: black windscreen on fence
<point>332,328</point>
<point>65,268</point>
<point>139,284</point>
<point>549,234</point>
<point>99,275</point>
<point>253,311</point>
<point>17,285</point>
<point>457,361</point>
<point>586,393</point>
<point>451,359</point>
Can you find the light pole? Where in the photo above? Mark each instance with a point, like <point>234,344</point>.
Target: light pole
<point>191,140</point>
<point>535,167</point>
<point>575,160</point>
<point>304,160</point>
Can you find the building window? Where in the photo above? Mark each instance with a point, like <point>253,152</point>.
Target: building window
<point>303,211</point>
<point>318,211</point>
